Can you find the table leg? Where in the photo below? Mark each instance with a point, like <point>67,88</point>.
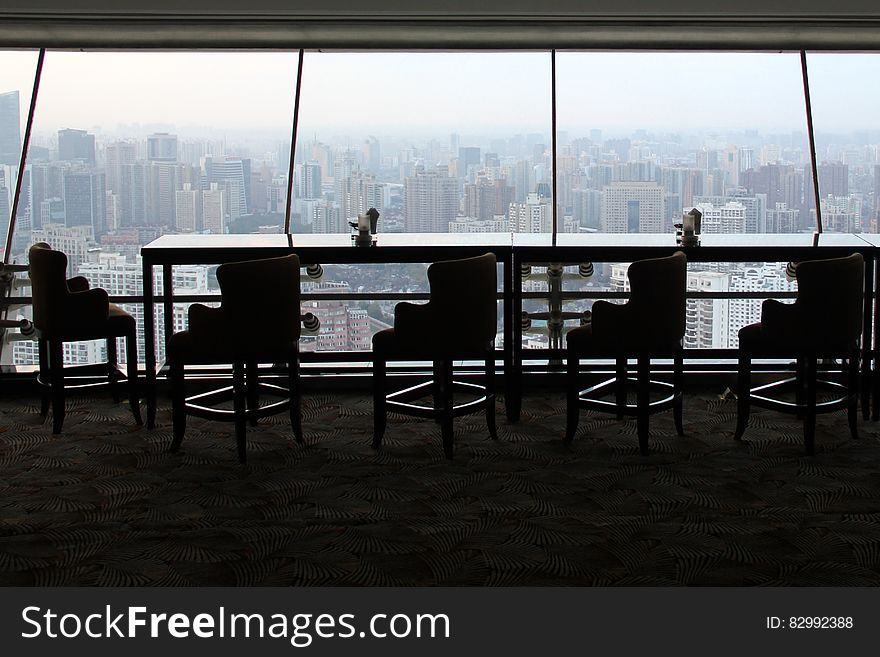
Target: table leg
<point>149,344</point>
<point>869,349</point>
<point>168,304</point>
<point>513,377</point>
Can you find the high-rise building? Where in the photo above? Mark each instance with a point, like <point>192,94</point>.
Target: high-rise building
<point>727,218</point>
<point>162,147</point>
<point>358,193</point>
<point>84,192</point>
<point>47,182</point>
<point>533,216</point>
<point>372,155</point>
<point>163,183</point>
<point>115,155</point>
<point>234,173</point>
<point>468,160</point>
<point>633,207</point>
<point>308,180</point>
<point>214,209</point>
<point>755,219</point>
<point>10,128</point>
<point>188,209</point>
<point>76,146</point>
<point>430,201</point>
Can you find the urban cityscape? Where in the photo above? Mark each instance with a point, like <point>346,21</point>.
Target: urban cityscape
<point>100,196</point>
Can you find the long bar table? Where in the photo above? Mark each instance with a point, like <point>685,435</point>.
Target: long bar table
<point>608,247</point>
<point>170,250</point>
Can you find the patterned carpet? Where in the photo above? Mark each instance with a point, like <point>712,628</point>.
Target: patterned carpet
<point>105,504</point>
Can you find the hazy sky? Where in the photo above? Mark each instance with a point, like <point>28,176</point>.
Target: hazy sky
<point>436,93</point>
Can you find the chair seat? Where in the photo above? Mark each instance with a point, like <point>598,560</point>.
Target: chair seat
<point>118,324</point>
<point>756,340</point>
<point>583,340</point>
<point>389,343</point>
<point>193,349</point>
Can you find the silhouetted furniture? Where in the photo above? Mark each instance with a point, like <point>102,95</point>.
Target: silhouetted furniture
<point>458,322</point>
<point>169,251</point>
<point>650,325</point>
<point>824,322</point>
<point>257,322</point>
<point>67,310</point>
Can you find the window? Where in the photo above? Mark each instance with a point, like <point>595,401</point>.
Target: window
<point>847,130</point>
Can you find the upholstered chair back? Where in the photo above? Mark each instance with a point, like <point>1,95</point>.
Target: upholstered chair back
<point>830,301</point>
<point>261,300</point>
<point>654,317</point>
<point>47,269</point>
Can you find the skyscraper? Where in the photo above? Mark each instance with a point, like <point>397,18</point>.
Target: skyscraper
<point>430,201</point>
<point>10,128</point>
<point>76,145</point>
<point>84,192</point>
<point>633,207</point>
<point>162,147</point>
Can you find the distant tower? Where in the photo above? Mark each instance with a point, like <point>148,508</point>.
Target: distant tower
<point>430,201</point>
<point>76,145</point>
<point>162,147</point>
<point>633,207</point>
<point>10,128</point>
<point>84,196</point>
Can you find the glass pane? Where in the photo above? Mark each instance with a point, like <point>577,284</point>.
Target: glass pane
<point>847,129</point>
<point>17,71</point>
<point>446,145</point>
<point>725,132</point>
<point>644,137</point>
<point>128,146</point>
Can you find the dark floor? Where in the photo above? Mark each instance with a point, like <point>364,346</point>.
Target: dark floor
<point>105,504</point>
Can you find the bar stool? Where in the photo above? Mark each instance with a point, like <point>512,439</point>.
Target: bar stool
<point>650,325</point>
<point>458,322</point>
<point>68,310</point>
<point>824,322</point>
<point>258,321</point>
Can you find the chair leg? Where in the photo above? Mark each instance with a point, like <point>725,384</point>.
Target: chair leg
<point>643,401</point>
<point>293,384</point>
<point>446,400</point>
<point>490,395</point>
<point>852,392</point>
<point>678,391</point>
<point>56,372</point>
<point>131,365</point>
<point>800,378</point>
<point>44,377</point>
<point>112,368</point>
<point>379,409</point>
<point>810,407</point>
<point>252,385</point>
<point>620,388</point>
<point>178,404</point>
<point>572,403</point>
<point>239,404</point>
<point>437,388</point>
<point>743,393</point>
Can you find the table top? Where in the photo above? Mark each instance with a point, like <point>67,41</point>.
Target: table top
<point>425,247</point>
<point>767,247</point>
<point>339,247</point>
